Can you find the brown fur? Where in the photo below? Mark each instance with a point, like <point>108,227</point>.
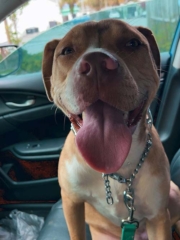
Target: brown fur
<point>136,79</point>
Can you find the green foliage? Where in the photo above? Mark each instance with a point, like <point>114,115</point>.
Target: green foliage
<point>71,4</point>
<point>12,26</point>
<point>9,63</point>
<point>164,32</point>
<point>30,62</point>
<point>162,17</point>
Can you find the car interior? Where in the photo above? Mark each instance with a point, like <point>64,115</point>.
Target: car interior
<point>33,131</point>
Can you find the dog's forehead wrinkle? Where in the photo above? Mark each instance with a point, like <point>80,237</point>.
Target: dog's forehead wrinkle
<point>73,38</point>
<point>94,31</point>
<point>120,29</point>
<point>87,31</point>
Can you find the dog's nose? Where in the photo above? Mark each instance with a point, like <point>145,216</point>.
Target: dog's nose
<point>98,60</point>
<point>84,67</point>
<point>109,63</point>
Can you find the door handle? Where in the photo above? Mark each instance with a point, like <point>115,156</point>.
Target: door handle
<point>21,105</point>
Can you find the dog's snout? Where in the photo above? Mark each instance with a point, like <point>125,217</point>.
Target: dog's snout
<point>84,67</point>
<point>109,63</point>
<point>96,60</point>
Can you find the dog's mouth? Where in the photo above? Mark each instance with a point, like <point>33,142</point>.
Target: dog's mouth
<point>104,135</point>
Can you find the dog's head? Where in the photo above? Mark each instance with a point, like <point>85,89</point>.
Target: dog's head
<point>107,72</point>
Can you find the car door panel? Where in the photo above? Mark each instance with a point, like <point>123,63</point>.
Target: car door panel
<point>29,169</point>
<point>5,127</point>
<point>169,112</point>
<point>30,82</point>
<point>34,190</point>
<point>31,139</point>
<point>31,162</point>
<point>11,102</point>
<point>165,59</point>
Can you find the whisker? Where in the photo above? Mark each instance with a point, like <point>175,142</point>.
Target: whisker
<point>158,100</point>
<point>53,105</point>
<point>55,114</point>
<point>160,69</point>
<point>166,65</point>
<point>144,94</point>
<point>64,127</point>
<point>120,52</point>
<point>128,55</point>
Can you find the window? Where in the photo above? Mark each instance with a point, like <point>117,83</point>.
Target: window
<point>49,22</point>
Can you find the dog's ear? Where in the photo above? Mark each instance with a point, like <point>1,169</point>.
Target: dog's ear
<point>153,45</point>
<point>47,64</point>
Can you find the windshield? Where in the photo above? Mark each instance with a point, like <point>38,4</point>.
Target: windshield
<point>159,15</point>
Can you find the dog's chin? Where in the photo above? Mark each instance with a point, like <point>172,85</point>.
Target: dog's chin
<point>104,134</point>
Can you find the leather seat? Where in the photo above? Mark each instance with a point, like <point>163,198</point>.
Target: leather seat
<point>55,227</point>
<point>175,169</point>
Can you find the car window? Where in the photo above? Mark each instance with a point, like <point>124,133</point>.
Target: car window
<point>161,16</point>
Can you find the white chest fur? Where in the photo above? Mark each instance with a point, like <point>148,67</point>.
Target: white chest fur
<point>89,185</point>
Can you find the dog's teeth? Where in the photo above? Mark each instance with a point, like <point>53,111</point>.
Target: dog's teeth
<point>125,115</point>
<point>83,116</point>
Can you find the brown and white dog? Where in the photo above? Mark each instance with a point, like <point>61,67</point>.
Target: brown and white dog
<point>108,72</point>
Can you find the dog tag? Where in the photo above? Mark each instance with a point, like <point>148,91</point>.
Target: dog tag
<point>128,230</point>
<point>129,225</point>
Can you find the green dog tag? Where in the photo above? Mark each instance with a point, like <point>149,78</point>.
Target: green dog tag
<point>128,230</point>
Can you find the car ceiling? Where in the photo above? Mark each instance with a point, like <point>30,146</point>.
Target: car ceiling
<point>8,6</point>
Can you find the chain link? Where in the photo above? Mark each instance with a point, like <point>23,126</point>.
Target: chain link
<point>109,197</point>
<point>122,179</point>
<point>141,161</point>
<point>129,192</point>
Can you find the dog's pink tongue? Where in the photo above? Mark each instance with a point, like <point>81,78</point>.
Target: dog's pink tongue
<point>104,140</point>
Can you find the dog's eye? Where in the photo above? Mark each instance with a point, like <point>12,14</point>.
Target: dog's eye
<point>133,43</point>
<point>67,50</point>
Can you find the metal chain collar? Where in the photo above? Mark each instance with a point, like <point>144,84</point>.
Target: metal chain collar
<point>121,179</point>
<point>129,192</point>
